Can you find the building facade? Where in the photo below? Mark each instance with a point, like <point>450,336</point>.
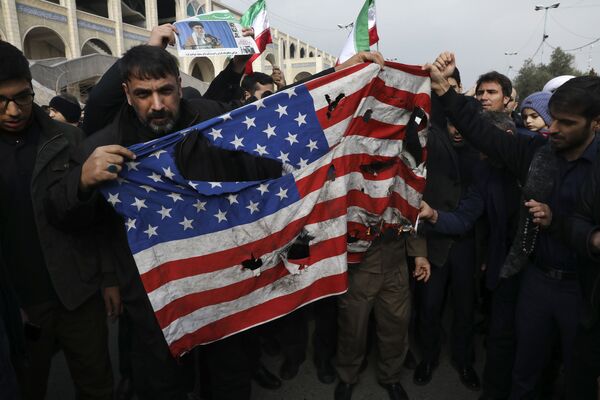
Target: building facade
<point>68,29</point>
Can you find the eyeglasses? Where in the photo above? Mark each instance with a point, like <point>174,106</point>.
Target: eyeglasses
<point>21,100</point>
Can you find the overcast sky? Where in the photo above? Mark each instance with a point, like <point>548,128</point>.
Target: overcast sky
<point>478,31</point>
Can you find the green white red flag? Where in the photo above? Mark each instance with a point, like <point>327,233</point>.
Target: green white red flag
<point>256,17</point>
<point>364,32</point>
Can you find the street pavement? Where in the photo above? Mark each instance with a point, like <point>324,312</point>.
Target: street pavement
<point>445,384</point>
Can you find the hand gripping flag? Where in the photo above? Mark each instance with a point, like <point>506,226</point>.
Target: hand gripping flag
<point>364,32</point>
<point>256,17</point>
<point>215,258</point>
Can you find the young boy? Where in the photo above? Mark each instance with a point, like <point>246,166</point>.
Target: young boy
<point>535,113</point>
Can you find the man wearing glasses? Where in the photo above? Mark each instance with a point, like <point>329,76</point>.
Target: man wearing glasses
<point>56,276</point>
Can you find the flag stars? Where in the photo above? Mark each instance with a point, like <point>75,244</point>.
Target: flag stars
<point>237,142</point>
<point>132,165</point>
<point>232,198</point>
<point>301,119</point>
<point>253,207</point>
<point>270,131</point>
<point>303,163</point>
<point>283,157</point>
<point>263,188</point>
<point>260,103</point>
<point>292,138</point>
<point>164,212</point>
<point>186,223</point>
<point>139,203</point>
<point>215,184</point>
<point>168,173</point>
<point>147,188</point>
<point>157,153</point>
<point>113,199</point>
<point>200,206</point>
<point>221,216</point>
<point>282,194</point>
<point>226,116</point>
<point>216,133</point>
<point>151,231</point>
<point>291,93</point>
<point>281,110</point>
<point>312,145</point>
<point>175,196</point>
<point>192,184</point>
<point>130,224</point>
<point>261,150</point>
<point>249,122</point>
<point>155,177</point>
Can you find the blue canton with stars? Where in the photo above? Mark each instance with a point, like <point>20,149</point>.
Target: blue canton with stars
<point>159,205</point>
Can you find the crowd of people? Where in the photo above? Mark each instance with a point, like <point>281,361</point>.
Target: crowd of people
<point>509,235</point>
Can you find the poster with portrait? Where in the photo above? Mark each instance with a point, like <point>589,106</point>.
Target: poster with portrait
<point>212,34</point>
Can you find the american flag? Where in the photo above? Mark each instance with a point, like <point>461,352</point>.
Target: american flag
<point>348,174</point>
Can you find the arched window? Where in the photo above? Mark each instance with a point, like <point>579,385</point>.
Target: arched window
<point>302,52</point>
<point>292,50</point>
<point>311,54</point>
<point>284,49</point>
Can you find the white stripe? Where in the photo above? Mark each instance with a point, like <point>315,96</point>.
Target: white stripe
<point>348,85</point>
<point>175,289</point>
<point>243,234</point>
<point>284,286</point>
<point>260,22</point>
<point>405,81</point>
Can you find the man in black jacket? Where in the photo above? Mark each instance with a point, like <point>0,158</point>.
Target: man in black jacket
<point>583,232</point>
<point>551,173</point>
<point>56,276</point>
<point>154,107</point>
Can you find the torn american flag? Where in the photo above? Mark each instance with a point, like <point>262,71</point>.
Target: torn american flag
<point>214,257</point>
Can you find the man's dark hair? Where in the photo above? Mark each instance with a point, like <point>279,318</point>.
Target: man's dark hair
<point>195,23</point>
<point>579,95</point>
<point>13,64</point>
<point>495,76</point>
<point>249,82</point>
<point>500,119</point>
<point>456,76</point>
<point>148,62</point>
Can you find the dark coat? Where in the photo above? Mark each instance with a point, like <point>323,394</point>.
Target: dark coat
<point>578,230</point>
<point>72,259</point>
<point>196,159</point>
<point>446,181</point>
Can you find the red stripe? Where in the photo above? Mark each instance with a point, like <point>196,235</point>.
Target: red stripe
<point>399,98</point>
<point>261,42</point>
<point>262,313</point>
<point>185,305</point>
<point>329,78</point>
<point>345,108</point>
<point>373,36</point>
<point>352,163</point>
<point>411,69</point>
<point>212,262</point>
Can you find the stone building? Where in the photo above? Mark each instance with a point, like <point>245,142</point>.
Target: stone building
<point>63,32</point>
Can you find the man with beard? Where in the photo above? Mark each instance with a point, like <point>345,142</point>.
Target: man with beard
<point>154,108</point>
<point>551,171</point>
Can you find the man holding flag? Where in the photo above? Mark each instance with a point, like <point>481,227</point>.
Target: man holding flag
<point>256,18</point>
<point>154,109</point>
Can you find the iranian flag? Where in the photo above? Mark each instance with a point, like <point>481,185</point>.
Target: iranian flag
<point>364,32</point>
<point>256,17</point>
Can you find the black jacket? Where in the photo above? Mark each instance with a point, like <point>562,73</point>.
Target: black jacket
<point>72,259</point>
<point>578,231</point>
<point>446,181</point>
<point>196,159</point>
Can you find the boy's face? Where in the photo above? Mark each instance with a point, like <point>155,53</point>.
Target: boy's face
<point>532,120</point>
